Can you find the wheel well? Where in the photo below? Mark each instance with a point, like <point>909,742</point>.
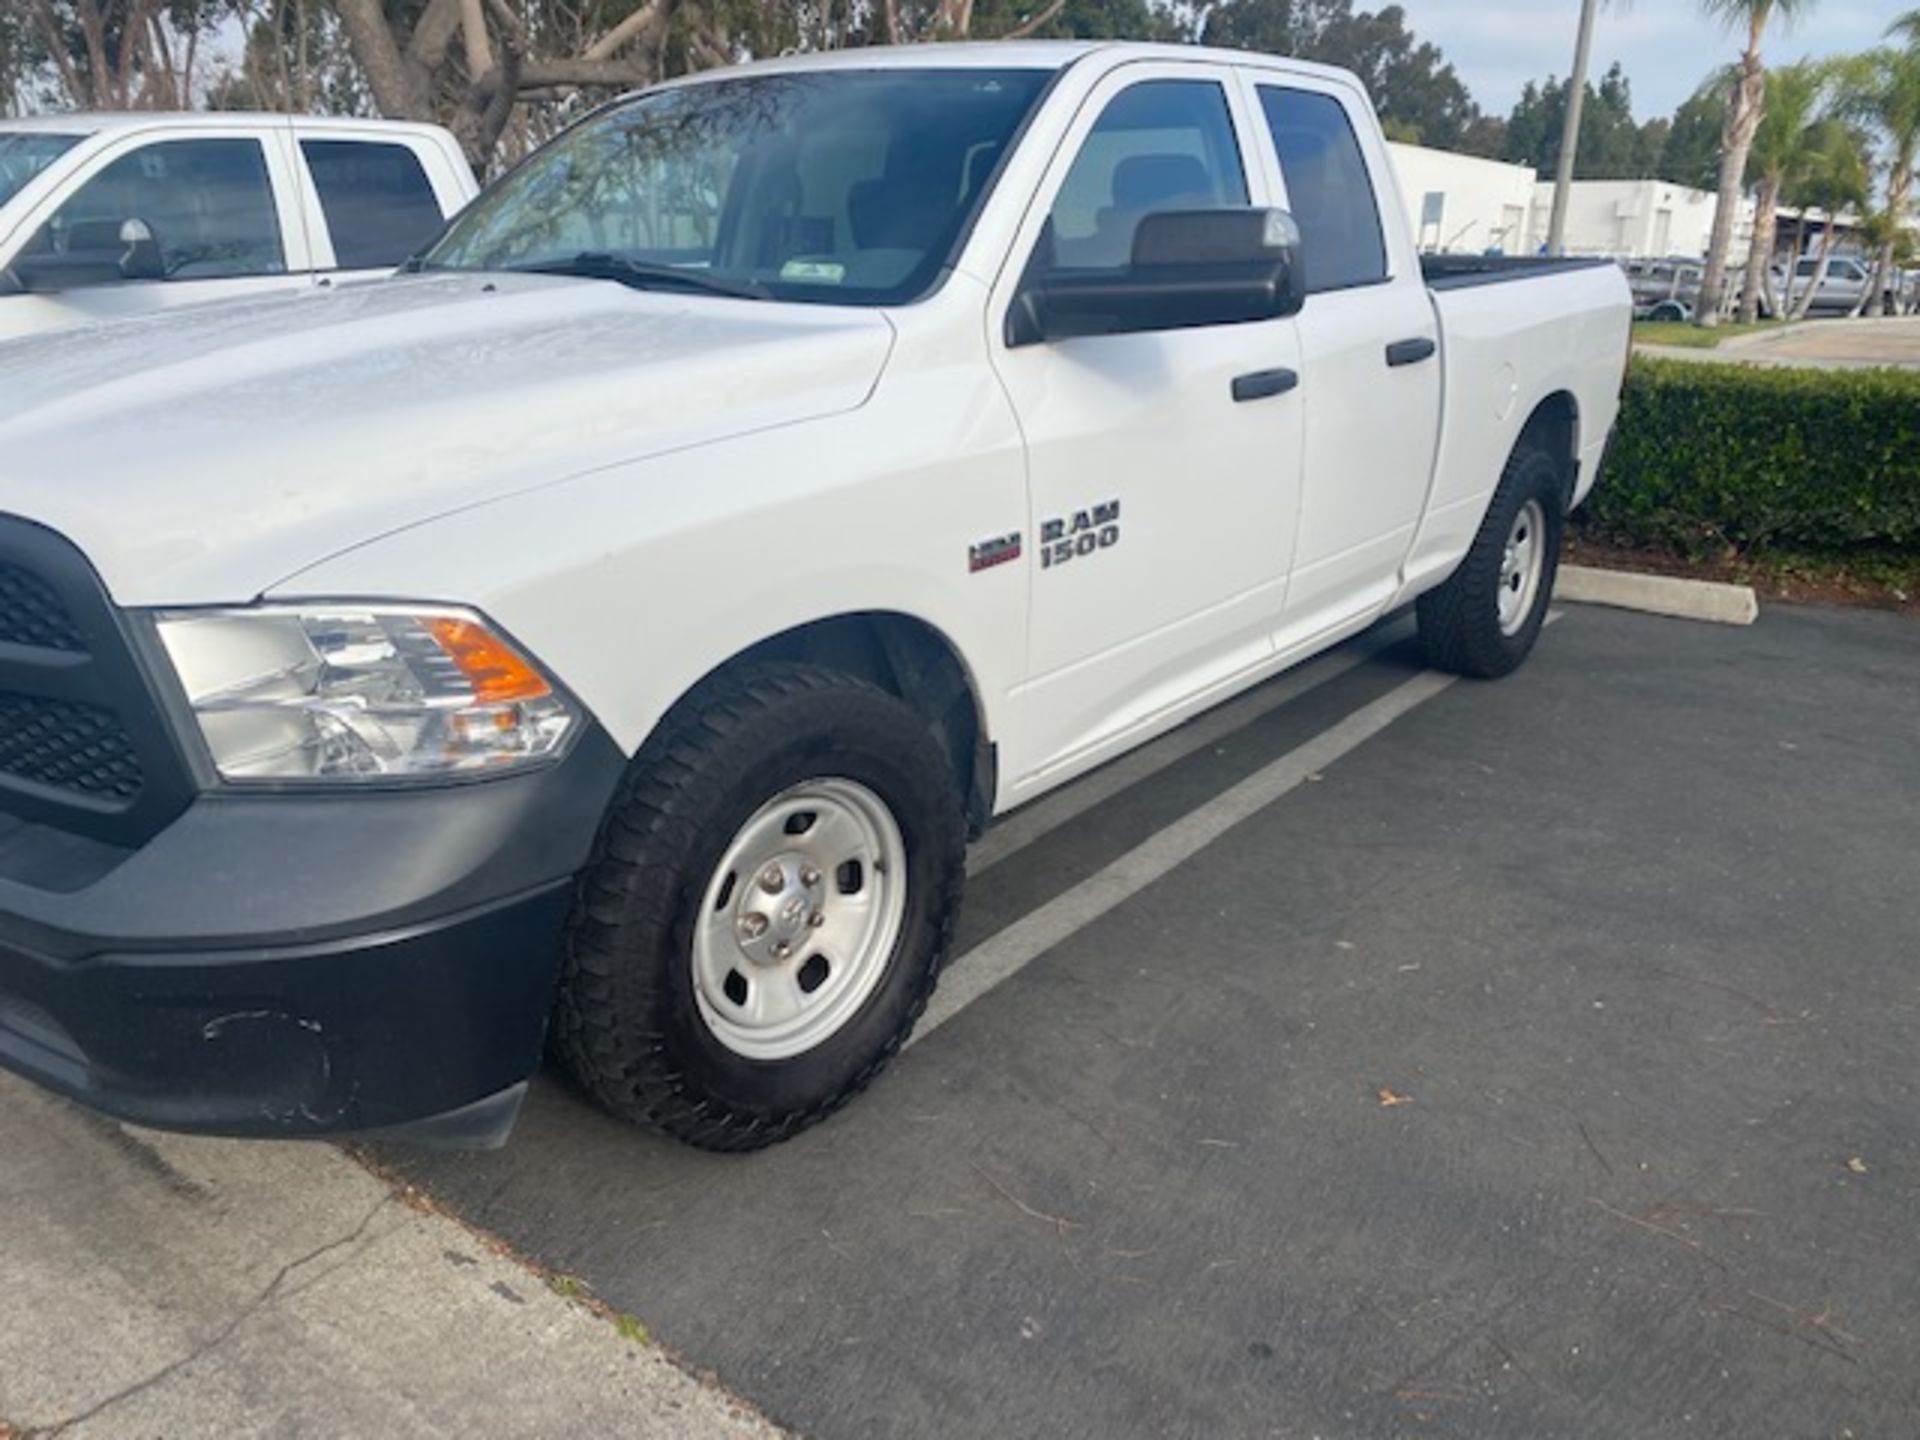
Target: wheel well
<point>1555,427</point>
<point>911,660</point>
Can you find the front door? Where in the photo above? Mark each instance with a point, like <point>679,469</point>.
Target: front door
<point>218,203</point>
<point>1162,509</point>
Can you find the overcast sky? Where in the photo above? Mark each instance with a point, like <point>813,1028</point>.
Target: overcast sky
<point>1666,46</point>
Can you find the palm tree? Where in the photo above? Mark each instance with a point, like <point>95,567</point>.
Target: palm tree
<point>1782,147</point>
<point>1883,88</point>
<point>1744,109</point>
<point>1838,179</point>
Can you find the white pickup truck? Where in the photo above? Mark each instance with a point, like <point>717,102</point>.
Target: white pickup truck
<point>611,633</point>
<point>106,216</point>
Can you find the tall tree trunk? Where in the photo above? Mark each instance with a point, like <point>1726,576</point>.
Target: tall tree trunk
<point>1760,253</point>
<point>1744,109</point>
<point>381,61</point>
<point>1899,186</point>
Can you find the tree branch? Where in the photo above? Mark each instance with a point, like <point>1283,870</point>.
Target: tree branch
<point>432,35</point>
<point>1027,27</point>
<point>473,30</point>
<point>378,52</point>
<point>640,21</point>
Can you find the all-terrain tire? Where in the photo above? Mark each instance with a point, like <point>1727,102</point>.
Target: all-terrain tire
<point>1460,625</point>
<point>628,1022</point>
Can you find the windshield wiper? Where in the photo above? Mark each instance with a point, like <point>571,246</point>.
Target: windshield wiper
<point>644,274</point>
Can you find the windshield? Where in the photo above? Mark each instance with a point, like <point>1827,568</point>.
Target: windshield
<point>24,154</point>
<point>837,186</point>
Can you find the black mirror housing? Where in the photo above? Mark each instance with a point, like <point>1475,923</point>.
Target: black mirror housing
<point>1189,268</point>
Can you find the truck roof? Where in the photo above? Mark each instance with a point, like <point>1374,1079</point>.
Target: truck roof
<point>1006,55</point>
<point>109,122</point>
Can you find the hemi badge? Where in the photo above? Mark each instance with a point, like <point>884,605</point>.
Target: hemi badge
<point>989,553</point>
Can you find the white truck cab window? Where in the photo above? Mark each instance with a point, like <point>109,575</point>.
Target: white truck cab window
<point>208,202</point>
<point>377,200</point>
<point>1161,145</point>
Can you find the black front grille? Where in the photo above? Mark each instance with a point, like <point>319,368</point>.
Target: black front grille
<point>31,614</point>
<point>85,745</point>
<point>68,746</point>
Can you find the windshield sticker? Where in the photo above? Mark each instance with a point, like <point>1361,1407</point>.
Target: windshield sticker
<point>814,272</point>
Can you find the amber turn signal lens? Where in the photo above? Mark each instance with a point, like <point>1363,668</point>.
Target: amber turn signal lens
<point>493,669</point>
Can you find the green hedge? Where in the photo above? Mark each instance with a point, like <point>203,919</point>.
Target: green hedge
<point>1715,458</point>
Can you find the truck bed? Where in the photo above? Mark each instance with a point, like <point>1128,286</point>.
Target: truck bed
<point>1458,272</point>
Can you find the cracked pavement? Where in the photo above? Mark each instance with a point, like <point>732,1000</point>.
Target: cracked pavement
<point>184,1287</point>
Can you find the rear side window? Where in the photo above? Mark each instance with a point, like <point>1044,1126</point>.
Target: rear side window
<point>1329,189</point>
<point>379,205</point>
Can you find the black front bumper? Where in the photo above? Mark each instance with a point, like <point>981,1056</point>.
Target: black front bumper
<point>299,964</point>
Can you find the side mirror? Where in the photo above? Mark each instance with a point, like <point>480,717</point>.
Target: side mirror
<point>98,252</point>
<point>143,259</point>
<point>1189,268</point>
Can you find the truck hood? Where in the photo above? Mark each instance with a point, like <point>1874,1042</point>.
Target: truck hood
<point>201,456</point>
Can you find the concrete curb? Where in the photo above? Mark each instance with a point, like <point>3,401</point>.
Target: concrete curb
<point>1707,600</point>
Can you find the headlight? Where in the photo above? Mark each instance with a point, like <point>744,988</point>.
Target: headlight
<point>358,693</point>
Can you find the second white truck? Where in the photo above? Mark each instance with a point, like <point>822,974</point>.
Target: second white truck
<point>612,632</point>
<point>108,216</point>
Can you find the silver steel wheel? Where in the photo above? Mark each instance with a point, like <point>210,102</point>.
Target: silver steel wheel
<point>799,920</point>
<point>1522,563</point>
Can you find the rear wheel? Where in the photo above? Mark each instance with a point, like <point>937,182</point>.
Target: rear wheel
<point>765,917</point>
<point>1484,620</point>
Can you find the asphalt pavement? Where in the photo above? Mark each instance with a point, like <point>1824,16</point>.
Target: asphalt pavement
<point>1379,1057</point>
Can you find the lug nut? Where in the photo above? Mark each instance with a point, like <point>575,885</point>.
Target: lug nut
<point>781,949</point>
<point>773,879</point>
<point>816,919</point>
<point>753,925</point>
<point>809,876</point>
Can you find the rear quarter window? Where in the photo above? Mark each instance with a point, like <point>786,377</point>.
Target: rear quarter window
<point>378,203</point>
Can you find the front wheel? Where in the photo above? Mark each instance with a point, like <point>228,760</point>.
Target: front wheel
<point>1484,620</point>
<point>766,915</point>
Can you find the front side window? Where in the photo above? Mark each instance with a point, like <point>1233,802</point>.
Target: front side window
<point>24,154</point>
<point>837,187</point>
<point>1160,145</point>
<point>1328,188</point>
<point>209,204</point>
<point>377,200</point>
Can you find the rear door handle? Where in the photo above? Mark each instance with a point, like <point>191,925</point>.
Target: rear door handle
<point>1262,383</point>
<point>1411,352</point>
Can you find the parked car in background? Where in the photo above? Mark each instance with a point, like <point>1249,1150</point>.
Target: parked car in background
<point>1837,292</point>
<point>1664,289</point>
<point>108,216</point>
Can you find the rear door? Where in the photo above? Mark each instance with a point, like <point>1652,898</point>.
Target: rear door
<point>1162,509</point>
<point>373,197</point>
<point>1369,353</point>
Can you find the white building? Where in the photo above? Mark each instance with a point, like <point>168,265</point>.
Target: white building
<point>1459,204</point>
<point>1639,220</point>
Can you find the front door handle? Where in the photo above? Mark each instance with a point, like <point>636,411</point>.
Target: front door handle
<point>1411,352</point>
<point>1262,383</point>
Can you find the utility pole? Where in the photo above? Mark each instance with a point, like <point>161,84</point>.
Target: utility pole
<point>1570,135</point>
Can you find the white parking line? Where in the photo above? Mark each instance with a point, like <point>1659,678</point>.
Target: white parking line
<point>1043,816</point>
<point>1011,950</point>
